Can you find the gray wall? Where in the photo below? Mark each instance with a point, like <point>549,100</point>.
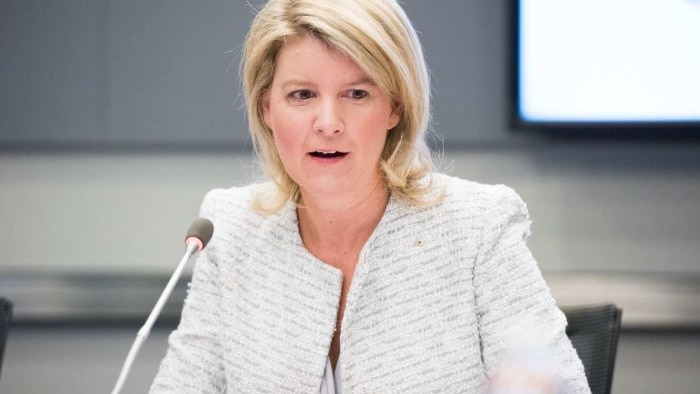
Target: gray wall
<point>602,208</point>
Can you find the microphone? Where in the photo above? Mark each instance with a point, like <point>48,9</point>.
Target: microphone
<point>197,238</point>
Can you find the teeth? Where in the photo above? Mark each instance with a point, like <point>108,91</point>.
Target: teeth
<point>328,153</point>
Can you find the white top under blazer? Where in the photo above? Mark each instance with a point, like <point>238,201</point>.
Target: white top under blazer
<point>331,380</point>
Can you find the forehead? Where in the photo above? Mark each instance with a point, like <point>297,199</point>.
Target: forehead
<point>311,58</point>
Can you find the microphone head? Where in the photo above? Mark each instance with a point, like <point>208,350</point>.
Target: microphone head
<point>200,231</point>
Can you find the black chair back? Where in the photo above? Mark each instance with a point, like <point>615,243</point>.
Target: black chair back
<point>5,317</point>
<point>594,331</point>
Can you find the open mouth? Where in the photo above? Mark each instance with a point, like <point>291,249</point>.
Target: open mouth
<point>331,154</point>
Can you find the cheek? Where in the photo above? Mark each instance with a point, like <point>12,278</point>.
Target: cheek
<point>378,126</point>
<point>288,138</point>
<point>278,123</point>
<point>282,141</point>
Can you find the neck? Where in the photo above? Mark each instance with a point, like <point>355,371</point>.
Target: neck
<point>343,226</point>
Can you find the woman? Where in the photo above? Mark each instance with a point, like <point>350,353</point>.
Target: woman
<point>356,268</point>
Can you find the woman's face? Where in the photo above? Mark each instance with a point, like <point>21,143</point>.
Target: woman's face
<point>329,122</point>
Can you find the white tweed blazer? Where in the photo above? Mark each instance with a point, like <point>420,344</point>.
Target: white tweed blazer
<point>440,300</point>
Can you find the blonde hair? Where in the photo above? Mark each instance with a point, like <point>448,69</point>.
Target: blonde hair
<point>379,38</point>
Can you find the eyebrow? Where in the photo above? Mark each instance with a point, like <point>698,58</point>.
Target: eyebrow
<point>295,82</point>
<point>361,81</point>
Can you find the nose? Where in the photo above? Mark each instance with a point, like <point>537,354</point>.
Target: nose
<point>329,119</point>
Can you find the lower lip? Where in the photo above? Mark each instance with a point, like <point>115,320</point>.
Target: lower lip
<point>328,160</point>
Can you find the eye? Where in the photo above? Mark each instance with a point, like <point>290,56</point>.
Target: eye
<point>302,94</point>
<point>357,94</point>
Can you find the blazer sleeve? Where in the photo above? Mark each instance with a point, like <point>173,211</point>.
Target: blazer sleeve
<point>193,362</point>
<point>518,318</point>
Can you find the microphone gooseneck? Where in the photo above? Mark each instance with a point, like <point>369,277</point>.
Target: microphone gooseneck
<point>198,236</point>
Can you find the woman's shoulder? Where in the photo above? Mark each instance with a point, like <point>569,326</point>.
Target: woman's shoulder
<point>465,199</point>
<point>232,200</point>
<point>232,213</point>
<point>482,205</point>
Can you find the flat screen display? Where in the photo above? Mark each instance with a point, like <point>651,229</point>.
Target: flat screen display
<point>613,62</point>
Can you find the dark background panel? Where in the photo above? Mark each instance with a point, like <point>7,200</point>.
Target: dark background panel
<point>165,72</point>
<point>51,71</point>
<point>464,43</point>
<point>174,71</point>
